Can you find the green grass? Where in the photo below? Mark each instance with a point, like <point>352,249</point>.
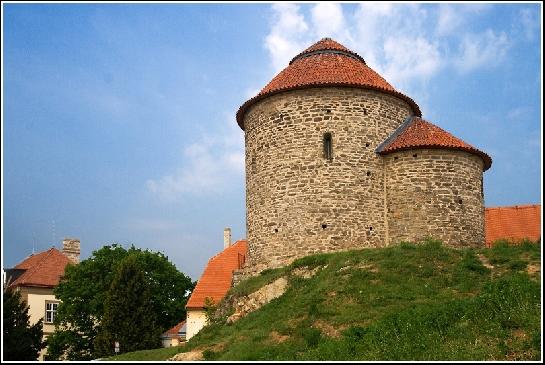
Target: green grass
<point>148,355</point>
<point>405,302</point>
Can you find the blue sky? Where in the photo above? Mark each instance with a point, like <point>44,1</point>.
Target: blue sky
<point>119,119</point>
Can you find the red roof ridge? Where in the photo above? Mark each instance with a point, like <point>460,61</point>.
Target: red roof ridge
<point>416,132</point>
<point>520,206</point>
<point>219,253</point>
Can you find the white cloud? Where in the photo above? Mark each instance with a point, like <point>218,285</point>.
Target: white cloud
<point>286,38</point>
<point>328,21</point>
<point>514,115</point>
<point>481,50</point>
<point>452,18</point>
<point>213,164</point>
<point>410,58</point>
<point>406,43</point>
<point>529,21</point>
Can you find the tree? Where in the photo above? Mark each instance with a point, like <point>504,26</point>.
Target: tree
<point>127,316</point>
<point>21,340</point>
<point>84,288</point>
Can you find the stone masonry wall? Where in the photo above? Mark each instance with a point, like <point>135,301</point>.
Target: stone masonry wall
<point>298,202</point>
<point>437,193</point>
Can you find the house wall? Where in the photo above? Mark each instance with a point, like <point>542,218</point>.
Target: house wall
<point>437,193</point>
<point>292,189</point>
<point>196,320</point>
<point>169,342</point>
<point>36,299</point>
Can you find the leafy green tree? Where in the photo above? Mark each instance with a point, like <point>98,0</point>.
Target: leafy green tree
<point>84,288</point>
<point>21,341</point>
<point>127,316</point>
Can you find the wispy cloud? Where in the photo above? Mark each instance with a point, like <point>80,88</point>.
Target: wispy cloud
<point>481,50</point>
<point>287,34</point>
<point>529,22</point>
<point>212,164</point>
<point>407,43</point>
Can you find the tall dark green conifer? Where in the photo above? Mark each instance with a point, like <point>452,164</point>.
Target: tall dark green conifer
<point>128,316</point>
<point>21,341</point>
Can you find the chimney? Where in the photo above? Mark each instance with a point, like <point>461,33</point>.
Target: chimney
<point>226,238</point>
<point>71,248</point>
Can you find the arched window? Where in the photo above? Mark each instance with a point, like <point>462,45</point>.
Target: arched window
<point>328,146</point>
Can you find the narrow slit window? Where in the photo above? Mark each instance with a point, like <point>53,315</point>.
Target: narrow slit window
<point>328,146</point>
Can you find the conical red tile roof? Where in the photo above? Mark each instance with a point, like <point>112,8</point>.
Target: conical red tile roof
<point>416,132</point>
<point>325,63</point>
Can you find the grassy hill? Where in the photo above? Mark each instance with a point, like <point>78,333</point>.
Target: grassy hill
<point>405,302</point>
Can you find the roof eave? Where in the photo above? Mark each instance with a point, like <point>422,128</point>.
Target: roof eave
<point>487,161</point>
<point>244,107</point>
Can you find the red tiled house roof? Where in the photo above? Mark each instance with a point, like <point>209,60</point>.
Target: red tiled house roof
<point>416,132</point>
<point>42,270</point>
<point>218,274</point>
<point>325,63</point>
<point>513,223</point>
<point>173,332</point>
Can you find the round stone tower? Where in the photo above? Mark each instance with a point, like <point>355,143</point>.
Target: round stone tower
<point>315,178</point>
<point>434,186</point>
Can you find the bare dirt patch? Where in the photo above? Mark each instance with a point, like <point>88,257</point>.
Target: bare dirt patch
<point>277,337</point>
<point>194,355</point>
<point>306,273</point>
<point>326,328</point>
<point>533,269</point>
<point>485,261</point>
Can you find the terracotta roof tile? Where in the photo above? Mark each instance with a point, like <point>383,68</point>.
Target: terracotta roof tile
<point>324,44</point>
<point>173,332</point>
<point>216,279</point>
<point>416,132</point>
<point>44,269</point>
<point>326,63</point>
<point>513,223</point>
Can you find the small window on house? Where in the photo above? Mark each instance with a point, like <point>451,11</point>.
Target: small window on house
<point>482,187</point>
<point>328,146</point>
<point>50,311</point>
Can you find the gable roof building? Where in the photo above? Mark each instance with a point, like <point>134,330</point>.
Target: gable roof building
<point>42,270</point>
<point>214,283</point>
<point>36,276</point>
<point>513,223</point>
<point>175,335</point>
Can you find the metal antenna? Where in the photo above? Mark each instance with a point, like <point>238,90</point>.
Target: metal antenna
<point>53,235</point>
<point>33,242</point>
